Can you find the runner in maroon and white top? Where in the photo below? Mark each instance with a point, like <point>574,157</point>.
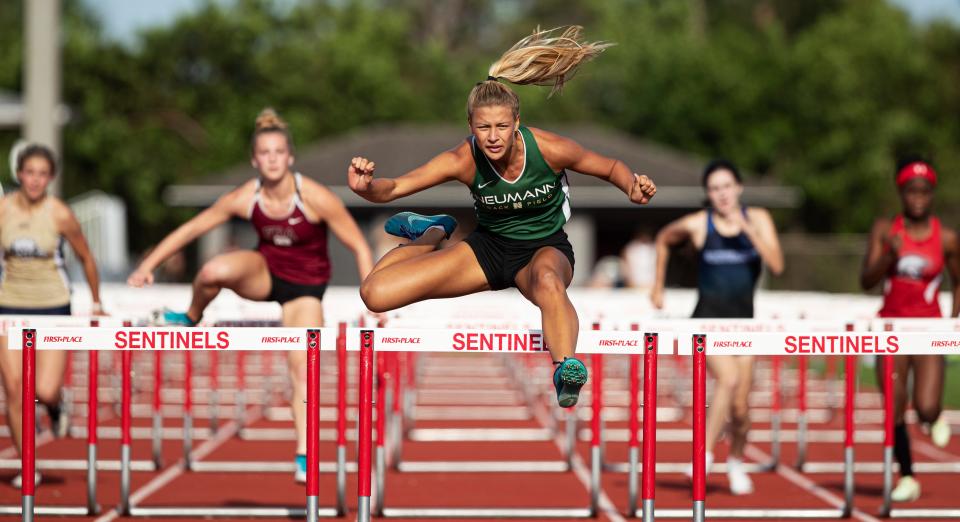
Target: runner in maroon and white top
<point>908,253</point>
<point>291,266</point>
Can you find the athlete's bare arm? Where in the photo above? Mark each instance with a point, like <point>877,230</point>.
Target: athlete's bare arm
<point>676,232</point>
<point>328,207</point>
<point>762,233</point>
<point>69,228</point>
<point>881,254</point>
<point>233,204</point>
<point>564,153</point>
<point>454,164</point>
<point>951,251</point>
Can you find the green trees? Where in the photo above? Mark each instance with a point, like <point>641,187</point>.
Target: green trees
<point>820,94</point>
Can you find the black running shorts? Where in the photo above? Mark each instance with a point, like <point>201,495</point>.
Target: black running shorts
<point>501,257</point>
<point>282,290</point>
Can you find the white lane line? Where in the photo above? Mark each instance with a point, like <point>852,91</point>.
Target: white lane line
<point>934,452</point>
<point>805,483</point>
<point>606,506</point>
<point>225,434</point>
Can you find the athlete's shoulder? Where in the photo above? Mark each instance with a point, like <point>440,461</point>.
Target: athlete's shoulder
<point>882,226</point>
<point>245,190</point>
<point>58,207</point>
<point>948,236</point>
<point>696,218</point>
<point>547,140</point>
<point>457,162</point>
<point>759,213</point>
<point>315,193</point>
<point>461,152</point>
<point>308,184</point>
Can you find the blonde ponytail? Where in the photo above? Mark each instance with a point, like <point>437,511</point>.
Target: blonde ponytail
<point>545,58</point>
<point>548,57</point>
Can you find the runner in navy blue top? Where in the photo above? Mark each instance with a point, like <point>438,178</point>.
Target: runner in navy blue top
<point>734,242</point>
<point>728,272</point>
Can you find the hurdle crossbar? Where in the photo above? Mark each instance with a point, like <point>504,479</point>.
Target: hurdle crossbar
<point>847,343</point>
<point>465,341</point>
<point>126,341</point>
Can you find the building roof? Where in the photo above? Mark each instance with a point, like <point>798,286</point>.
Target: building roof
<point>403,147</point>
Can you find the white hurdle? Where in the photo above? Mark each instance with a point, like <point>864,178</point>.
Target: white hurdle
<point>464,341</point>
<point>90,463</point>
<point>801,344</point>
<point>131,339</point>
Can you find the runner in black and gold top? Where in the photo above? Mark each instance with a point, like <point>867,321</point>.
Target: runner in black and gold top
<point>33,226</point>
<point>517,176</point>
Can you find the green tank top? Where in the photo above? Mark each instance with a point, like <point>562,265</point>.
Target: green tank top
<point>534,206</point>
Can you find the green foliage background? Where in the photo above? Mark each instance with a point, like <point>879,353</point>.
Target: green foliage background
<point>819,94</point>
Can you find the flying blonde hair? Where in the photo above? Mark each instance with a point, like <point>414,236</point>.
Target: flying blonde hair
<point>543,58</point>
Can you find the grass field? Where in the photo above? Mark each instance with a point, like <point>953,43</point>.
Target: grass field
<point>868,377</point>
<point>951,388</point>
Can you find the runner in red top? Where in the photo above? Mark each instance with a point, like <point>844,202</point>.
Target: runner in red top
<point>291,215</point>
<point>912,286</point>
<point>294,248</point>
<point>908,253</point>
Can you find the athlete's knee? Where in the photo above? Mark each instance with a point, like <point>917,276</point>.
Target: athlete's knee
<point>727,381</point>
<point>927,413</point>
<point>212,273</point>
<point>547,282</point>
<point>48,394</point>
<point>14,393</point>
<point>740,413</point>
<point>373,296</point>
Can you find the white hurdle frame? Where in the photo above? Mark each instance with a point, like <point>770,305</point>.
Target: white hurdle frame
<point>127,340</point>
<point>921,326</point>
<point>396,429</point>
<point>90,464</point>
<point>804,343</point>
<point>430,340</point>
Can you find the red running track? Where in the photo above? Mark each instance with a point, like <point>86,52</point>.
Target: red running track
<point>171,486</point>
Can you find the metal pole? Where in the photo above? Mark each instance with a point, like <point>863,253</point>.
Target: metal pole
<point>28,426</point>
<point>699,427</point>
<point>187,410</point>
<point>313,424</point>
<point>93,369</point>
<point>381,430</point>
<point>649,425</point>
<point>775,413</point>
<point>850,368</point>
<point>802,415</point>
<point>157,432</point>
<point>596,454</point>
<point>396,412</point>
<point>365,428</point>
<point>126,439</point>
<point>41,78</point>
<point>633,443</point>
<point>214,361</point>
<point>342,419</point>
<point>266,360</point>
<point>241,396</point>
<point>888,433</point>
<point>571,437</point>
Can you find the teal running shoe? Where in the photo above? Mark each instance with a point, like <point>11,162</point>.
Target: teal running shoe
<point>300,473</point>
<point>171,318</point>
<point>568,378</point>
<point>412,225</point>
